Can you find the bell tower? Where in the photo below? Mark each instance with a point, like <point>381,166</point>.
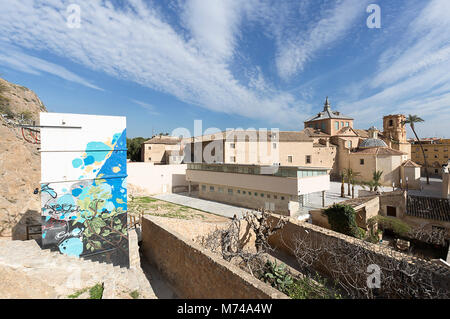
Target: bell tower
<point>394,133</point>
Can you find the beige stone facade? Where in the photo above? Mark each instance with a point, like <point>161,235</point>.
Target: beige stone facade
<point>162,150</point>
<point>329,140</point>
<point>437,153</point>
<point>250,186</point>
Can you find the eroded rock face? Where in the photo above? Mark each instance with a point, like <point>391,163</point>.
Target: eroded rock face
<point>19,163</point>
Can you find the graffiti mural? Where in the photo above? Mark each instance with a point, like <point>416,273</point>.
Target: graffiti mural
<point>83,188</point>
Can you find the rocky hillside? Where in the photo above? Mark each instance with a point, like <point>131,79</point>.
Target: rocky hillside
<point>19,161</point>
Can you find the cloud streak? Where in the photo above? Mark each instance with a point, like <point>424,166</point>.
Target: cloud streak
<point>135,43</point>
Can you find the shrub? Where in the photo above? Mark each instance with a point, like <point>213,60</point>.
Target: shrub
<point>96,292</point>
<point>397,226</point>
<point>342,219</point>
<point>277,276</point>
<point>308,288</point>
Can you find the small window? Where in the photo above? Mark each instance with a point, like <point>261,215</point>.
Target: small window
<point>274,145</point>
<point>256,194</point>
<point>238,191</point>
<point>149,148</point>
<point>436,171</point>
<point>290,159</point>
<point>268,195</point>
<point>282,197</point>
<point>275,196</point>
<point>204,188</point>
<point>342,124</point>
<point>391,122</point>
<point>308,159</point>
<point>347,124</point>
<point>391,211</point>
<point>349,144</point>
<point>361,161</point>
<point>232,145</point>
<point>211,188</point>
<point>336,125</point>
<point>149,158</point>
<point>230,191</point>
<point>249,193</point>
<point>262,195</point>
<point>220,190</point>
<point>244,192</point>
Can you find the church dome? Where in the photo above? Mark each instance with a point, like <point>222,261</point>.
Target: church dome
<point>372,142</point>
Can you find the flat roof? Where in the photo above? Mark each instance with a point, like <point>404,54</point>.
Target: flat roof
<point>273,170</point>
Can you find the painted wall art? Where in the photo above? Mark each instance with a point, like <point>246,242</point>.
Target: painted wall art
<point>83,186</point>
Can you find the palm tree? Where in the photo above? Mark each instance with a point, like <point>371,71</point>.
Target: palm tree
<point>376,177</point>
<point>350,176</point>
<point>411,120</point>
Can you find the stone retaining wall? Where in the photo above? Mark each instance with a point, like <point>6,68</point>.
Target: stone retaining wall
<point>315,236</point>
<point>194,272</point>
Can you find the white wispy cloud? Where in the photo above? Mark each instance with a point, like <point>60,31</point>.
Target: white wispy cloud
<point>214,25</point>
<point>136,44</point>
<point>13,57</point>
<point>413,75</point>
<point>149,107</point>
<point>296,49</point>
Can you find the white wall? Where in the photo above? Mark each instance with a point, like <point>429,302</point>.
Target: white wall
<point>156,179</point>
<point>308,185</point>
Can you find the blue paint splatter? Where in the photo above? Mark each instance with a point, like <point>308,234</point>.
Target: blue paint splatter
<point>71,247</point>
<point>76,192</point>
<point>89,160</point>
<point>77,162</point>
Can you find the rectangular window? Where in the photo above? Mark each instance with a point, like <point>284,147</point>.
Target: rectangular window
<point>220,190</point>
<point>230,191</point>
<point>349,144</point>
<point>149,148</point>
<point>232,145</point>
<point>268,195</point>
<point>282,197</point>
<point>249,193</point>
<point>211,188</point>
<point>342,124</point>
<point>244,192</point>
<point>347,124</point>
<point>262,195</point>
<point>391,211</point>
<point>361,161</point>
<point>289,158</point>
<point>204,188</point>
<point>256,194</point>
<point>336,125</point>
<point>308,159</point>
<point>275,196</point>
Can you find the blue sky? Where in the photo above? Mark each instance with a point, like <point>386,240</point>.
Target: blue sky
<point>232,64</point>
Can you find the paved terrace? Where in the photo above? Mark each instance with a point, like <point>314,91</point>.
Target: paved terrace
<point>203,204</point>
<point>314,200</point>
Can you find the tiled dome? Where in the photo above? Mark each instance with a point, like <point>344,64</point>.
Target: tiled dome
<point>372,142</point>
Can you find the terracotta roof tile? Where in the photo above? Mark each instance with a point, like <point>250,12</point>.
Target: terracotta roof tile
<point>428,208</point>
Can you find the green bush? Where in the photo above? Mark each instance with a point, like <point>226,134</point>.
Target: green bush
<point>96,292</point>
<point>342,219</point>
<point>308,288</point>
<point>393,224</point>
<point>277,276</point>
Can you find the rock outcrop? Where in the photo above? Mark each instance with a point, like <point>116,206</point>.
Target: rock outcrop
<point>19,161</point>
